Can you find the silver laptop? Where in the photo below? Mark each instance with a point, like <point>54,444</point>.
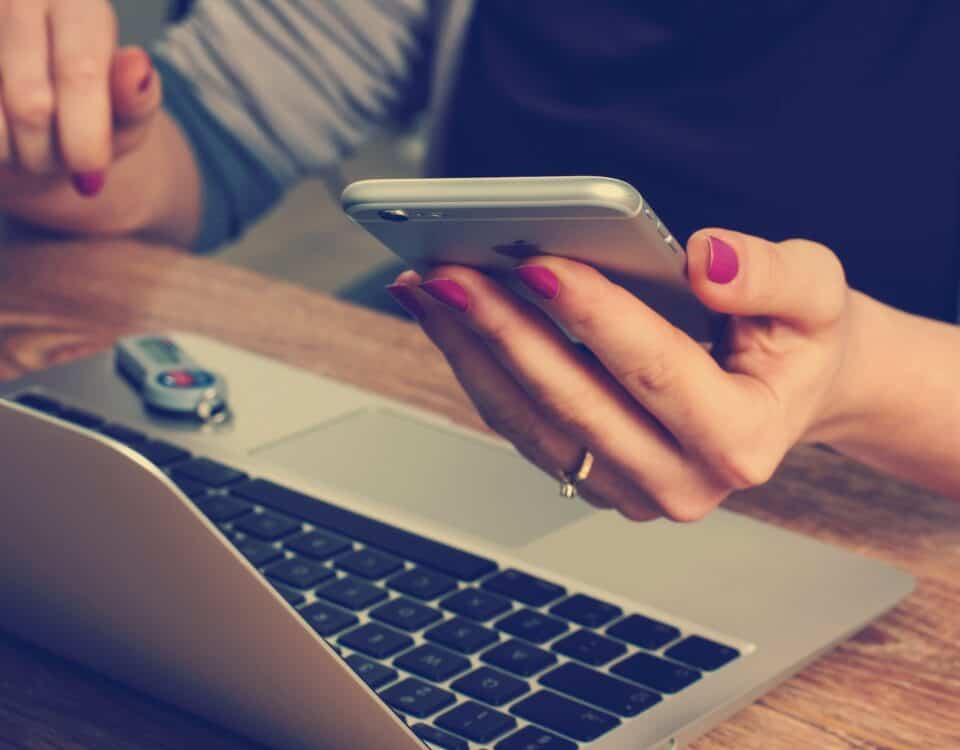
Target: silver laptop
<point>333,569</point>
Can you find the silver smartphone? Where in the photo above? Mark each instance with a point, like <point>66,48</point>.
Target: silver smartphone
<point>494,223</point>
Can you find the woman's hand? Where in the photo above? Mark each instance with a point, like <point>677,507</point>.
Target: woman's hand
<point>71,102</point>
<point>673,428</point>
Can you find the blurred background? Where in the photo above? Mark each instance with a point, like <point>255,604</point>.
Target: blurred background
<point>306,239</point>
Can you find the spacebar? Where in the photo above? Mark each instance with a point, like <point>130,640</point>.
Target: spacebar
<point>421,550</point>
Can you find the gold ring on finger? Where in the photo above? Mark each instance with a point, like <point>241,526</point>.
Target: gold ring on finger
<point>568,482</point>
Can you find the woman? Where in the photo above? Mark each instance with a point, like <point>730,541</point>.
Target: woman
<point>800,119</point>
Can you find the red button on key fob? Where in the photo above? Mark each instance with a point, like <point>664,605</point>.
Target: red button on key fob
<point>177,379</point>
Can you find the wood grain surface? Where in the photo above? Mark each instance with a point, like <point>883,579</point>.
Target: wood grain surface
<point>894,685</point>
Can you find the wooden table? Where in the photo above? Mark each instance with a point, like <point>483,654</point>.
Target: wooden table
<point>895,685</point>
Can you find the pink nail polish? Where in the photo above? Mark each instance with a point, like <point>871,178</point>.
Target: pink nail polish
<point>89,184</point>
<point>540,280</point>
<point>448,292</point>
<point>145,83</point>
<point>407,299</point>
<point>723,265</point>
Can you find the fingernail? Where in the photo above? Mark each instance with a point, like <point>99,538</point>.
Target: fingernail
<point>723,265</point>
<point>145,83</point>
<point>89,184</point>
<point>448,292</point>
<point>407,299</point>
<point>538,279</point>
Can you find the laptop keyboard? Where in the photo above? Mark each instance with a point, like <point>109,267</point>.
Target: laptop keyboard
<point>469,654</point>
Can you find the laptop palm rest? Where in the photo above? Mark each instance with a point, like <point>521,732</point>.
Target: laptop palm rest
<point>473,485</point>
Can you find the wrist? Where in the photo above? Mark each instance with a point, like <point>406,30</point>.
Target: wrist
<point>171,204</point>
<point>855,402</point>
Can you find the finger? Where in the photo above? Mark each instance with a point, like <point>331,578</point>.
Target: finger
<point>135,87</point>
<point>28,97</point>
<point>507,409</point>
<point>669,373</point>
<point>137,97</point>
<point>799,282</point>
<point>574,391</point>
<point>83,37</point>
<point>404,293</point>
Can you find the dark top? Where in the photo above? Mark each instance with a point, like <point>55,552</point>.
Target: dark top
<point>831,121</point>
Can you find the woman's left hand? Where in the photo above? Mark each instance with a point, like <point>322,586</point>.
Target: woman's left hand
<point>673,428</point>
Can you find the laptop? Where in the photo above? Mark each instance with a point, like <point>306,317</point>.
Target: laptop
<point>330,568</point>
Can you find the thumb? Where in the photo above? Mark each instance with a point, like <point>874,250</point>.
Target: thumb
<point>135,89</point>
<point>796,281</point>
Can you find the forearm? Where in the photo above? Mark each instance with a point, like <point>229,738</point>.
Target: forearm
<point>153,192</point>
<point>903,396</point>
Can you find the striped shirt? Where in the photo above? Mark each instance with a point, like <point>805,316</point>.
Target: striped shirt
<point>295,86</point>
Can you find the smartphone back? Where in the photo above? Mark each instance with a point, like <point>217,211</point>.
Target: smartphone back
<point>495,223</point>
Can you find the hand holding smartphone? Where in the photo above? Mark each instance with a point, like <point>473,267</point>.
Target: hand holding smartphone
<point>494,223</point>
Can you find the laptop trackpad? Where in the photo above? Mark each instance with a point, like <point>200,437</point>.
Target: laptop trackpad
<point>425,469</point>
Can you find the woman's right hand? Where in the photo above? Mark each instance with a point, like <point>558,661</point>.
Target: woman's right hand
<point>72,103</point>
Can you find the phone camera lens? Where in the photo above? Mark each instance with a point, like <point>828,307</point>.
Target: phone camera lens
<point>394,214</point>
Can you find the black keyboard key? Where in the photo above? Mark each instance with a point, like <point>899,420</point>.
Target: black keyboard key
<point>405,544</point>
<point>406,614</point>
<point>659,674</point>
<point>375,675</point>
<point>121,434</point>
<point>81,418</point>
<point>422,583</point>
<point>326,619</point>
<point>352,593</point>
<point>190,488</point>
<point>462,635</point>
<point>222,508</point>
<point>565,716</point>
<point>160,453</point>
<point>208,472</point>
<point>586,610</point>
<point>432,662</point>
<point>531,626</point>
<point>618,696</point>
<point>589,647</point>
<point>439,739</point>
<point>476,604</point>
<point>267,526</point>
<point>475,722</point>
<point>534,738</point>
<point>40,403</point>
<point>293,597</point>
<point>320,545</point>
<point>644,632</point>
<point>257,552</point>
<point>703,653</point>
<point>369,563</point>
<point>524,588</point>
<point>521,658</point>
<point>491,686</point>
<point>299,573</point>
<point>417,698</point>
<point>376,640</point>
